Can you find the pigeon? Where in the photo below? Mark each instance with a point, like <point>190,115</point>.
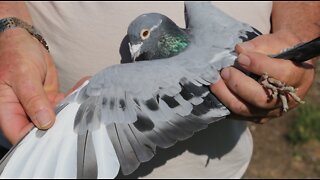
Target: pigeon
<point>155,36</point>
<point>118,118</point>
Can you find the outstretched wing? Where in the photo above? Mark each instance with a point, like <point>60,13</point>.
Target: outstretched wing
<point>126,111</point>
<point>157,103</point>
<point>149,104</point>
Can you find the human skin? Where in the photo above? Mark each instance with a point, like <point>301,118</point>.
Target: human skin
<point>292,23</point>
<point>29,85</point>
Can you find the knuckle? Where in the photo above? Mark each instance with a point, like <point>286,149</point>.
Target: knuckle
<point>31,94</point>
<point>32,101</point>
<point>256,65</point>
<point>233,83</point>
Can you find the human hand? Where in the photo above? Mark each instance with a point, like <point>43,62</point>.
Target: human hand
<point>244,96</point>
<point>28,84</point>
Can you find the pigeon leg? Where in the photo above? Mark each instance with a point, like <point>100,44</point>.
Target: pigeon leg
<point>280,89</point>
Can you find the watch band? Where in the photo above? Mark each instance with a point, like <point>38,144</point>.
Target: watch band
<point>12,22</point>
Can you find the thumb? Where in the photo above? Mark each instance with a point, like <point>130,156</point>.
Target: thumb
<point>29,90</point>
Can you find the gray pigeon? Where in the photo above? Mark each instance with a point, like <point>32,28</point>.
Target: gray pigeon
<point>154,36</point>
<point>118,118</point>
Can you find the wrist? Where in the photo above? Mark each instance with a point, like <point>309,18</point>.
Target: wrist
<point>14,23</point>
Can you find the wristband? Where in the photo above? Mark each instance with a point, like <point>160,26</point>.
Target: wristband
<point>13,22</point>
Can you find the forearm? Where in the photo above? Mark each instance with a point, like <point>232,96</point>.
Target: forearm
<point>15,9</point>
<point>301,18</point>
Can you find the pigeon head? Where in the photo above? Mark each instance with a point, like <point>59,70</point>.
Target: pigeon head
<point>154,36</point>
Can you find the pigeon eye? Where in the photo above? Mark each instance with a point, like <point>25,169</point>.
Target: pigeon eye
<point>145,33</point>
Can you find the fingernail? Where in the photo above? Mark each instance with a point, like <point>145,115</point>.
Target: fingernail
<point>244,60</point>
<point>43,118</point>
<point>225,73</point>
<point>247,46</point>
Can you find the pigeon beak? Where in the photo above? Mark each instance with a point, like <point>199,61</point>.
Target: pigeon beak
<point>135,50</point>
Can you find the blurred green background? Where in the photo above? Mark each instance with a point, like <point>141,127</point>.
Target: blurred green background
<point>289,146</point>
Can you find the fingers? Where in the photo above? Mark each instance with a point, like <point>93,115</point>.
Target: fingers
<point>29,90</point>
<point>248,89</point>
<point>243,95</point>
<point>13,120</point>
<point>283,70</point>
<point>253,56</point>
<point>237,105</point>
<point>246,97</point>
<point>14,125</point>
<point>227,98</point>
